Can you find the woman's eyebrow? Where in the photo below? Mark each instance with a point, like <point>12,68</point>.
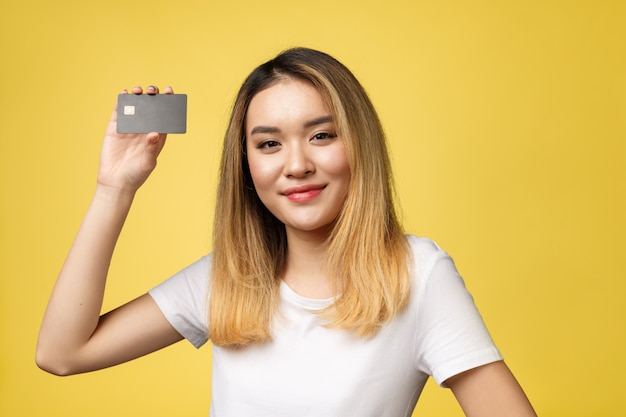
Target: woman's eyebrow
<point>319,121</point>
<point>272,129</point>
<point>264,129</point>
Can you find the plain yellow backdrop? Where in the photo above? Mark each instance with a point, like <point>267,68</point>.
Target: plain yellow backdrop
<point>507,125</point>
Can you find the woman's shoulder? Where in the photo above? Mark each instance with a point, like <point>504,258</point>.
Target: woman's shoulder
<point>423,248</point>
<point>189,281</point>
<point>425,254</point>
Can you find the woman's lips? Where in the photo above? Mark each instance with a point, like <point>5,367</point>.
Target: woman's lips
<point>304,192</point>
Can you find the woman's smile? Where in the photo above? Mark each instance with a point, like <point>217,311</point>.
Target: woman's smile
<point>304,192</point>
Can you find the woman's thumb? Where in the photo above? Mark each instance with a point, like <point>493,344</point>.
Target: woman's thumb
<point>154,144</point>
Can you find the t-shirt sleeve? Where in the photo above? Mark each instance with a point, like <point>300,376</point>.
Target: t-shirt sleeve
<point>183,301</point>
<point>451,336</point>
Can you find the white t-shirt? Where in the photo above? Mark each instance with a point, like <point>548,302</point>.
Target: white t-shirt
<point>310,370</point>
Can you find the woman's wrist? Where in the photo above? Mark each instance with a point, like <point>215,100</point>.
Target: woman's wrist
<point>114,195</point>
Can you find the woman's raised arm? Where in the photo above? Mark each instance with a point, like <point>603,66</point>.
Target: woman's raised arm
<point>74,337</point>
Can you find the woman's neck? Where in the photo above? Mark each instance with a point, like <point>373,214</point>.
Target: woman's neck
<point>304,270</point>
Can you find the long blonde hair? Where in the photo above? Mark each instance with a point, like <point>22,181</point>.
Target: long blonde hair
<point>366,247</point>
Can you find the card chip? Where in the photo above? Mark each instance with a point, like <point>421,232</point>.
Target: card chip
<point>129,110</point>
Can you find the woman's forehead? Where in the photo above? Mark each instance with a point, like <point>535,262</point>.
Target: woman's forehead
<point>289,100</point>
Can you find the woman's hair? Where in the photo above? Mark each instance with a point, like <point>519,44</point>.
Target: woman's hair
<point>366,248</point>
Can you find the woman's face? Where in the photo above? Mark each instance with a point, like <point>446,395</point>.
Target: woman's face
<point>297,162</point>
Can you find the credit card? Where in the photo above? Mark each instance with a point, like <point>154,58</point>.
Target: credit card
<point>145,113</point>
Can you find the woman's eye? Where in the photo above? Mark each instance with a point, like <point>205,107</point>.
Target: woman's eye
<point>324,135</point>
<point>268,144</point>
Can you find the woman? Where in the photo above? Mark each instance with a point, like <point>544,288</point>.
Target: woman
<point>316,302</point>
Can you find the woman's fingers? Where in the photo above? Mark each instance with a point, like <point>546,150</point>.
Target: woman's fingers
<point>151,90</point>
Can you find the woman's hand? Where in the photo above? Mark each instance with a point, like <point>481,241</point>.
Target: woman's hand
<point>126,160</point>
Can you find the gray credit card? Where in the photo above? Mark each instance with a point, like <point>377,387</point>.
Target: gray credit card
<point>144,113</point>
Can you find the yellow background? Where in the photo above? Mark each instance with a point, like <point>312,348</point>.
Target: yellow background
<point>506,120</point>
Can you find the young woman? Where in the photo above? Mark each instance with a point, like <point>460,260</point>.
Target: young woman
<point>316,302</point>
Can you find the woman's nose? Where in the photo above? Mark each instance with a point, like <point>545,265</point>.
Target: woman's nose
<point>298,163</point>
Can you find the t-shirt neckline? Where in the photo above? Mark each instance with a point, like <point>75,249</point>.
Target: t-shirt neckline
<point>308,303</point>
